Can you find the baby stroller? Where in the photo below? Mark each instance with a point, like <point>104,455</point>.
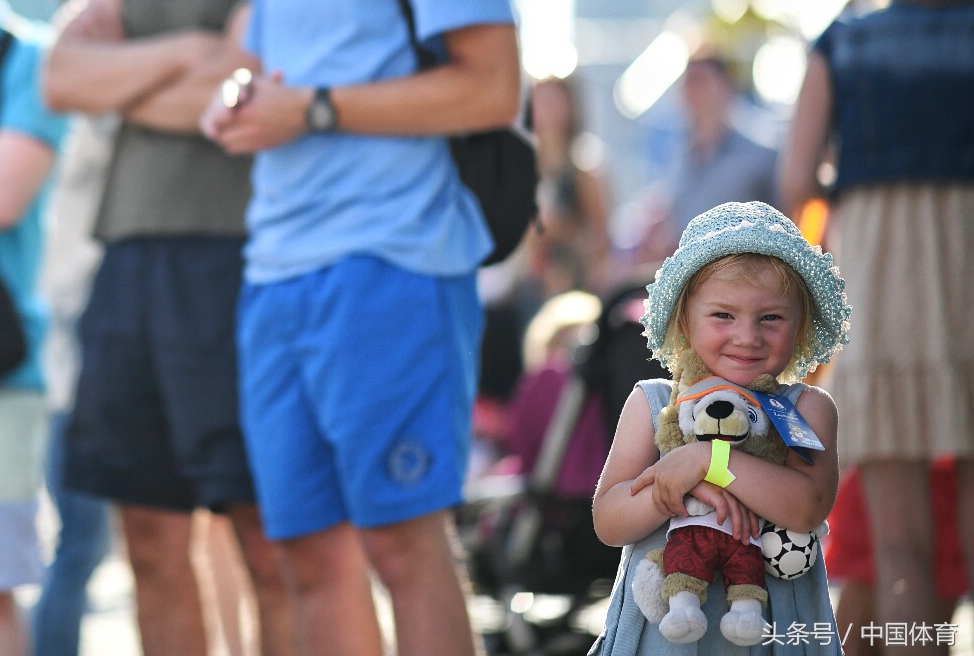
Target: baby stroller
<point>528,537</point>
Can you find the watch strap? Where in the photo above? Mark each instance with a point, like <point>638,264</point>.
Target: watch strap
<point>321,115</point>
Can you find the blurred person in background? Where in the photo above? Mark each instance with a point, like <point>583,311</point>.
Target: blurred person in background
<point>719,163</point>
<point>86,531</point>
<point>892,92</point>
<point>572,250</point>
<point>71,257</point>
<point>30,136</point>
<point>849,555</point>
<point>155,425</point>
<point>553,335</point>
<point>568,249</point>
<point>360,322</point>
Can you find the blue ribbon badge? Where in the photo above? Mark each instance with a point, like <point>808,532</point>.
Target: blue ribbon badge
<point>795,431</point>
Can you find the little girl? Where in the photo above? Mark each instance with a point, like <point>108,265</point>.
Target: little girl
<point>749,294</point>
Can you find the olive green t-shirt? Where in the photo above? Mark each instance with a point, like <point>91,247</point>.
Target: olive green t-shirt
<point>162,184</point>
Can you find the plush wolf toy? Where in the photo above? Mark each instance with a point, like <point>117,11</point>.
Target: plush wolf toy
<point>705,407</point>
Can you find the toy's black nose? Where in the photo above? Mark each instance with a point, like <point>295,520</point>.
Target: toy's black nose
<point>720,409</point>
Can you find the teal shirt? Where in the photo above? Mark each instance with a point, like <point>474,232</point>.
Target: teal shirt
<point>22,246</point>
<point>800,611</point>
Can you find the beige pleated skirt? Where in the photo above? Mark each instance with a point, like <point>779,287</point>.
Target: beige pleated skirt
<point>904,385</point>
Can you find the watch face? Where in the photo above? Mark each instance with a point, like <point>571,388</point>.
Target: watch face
<point>321,115</point>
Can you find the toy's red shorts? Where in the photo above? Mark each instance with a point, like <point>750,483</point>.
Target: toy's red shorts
<point>700,550</point>
<point>848,549</point>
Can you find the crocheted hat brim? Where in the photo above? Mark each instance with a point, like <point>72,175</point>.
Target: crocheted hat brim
<point>734,228</point>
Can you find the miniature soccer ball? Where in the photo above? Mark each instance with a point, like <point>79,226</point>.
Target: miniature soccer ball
<point>787,554</point>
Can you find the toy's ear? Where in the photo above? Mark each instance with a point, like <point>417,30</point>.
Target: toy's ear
<point>678,384</point>
<point>691,369</point>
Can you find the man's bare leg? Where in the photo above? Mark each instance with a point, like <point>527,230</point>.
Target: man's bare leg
<point>13,633</point>
<point>265,566</point>
<point>328,576</point>
<point>417,562</point>
<point>229,603</point>
<point>168,607</point>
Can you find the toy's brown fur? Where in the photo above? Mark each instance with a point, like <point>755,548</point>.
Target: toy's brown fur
<point>690,370</point>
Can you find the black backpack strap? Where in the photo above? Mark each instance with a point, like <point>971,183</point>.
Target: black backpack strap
<point>427,59</point>
<point>6,40</point>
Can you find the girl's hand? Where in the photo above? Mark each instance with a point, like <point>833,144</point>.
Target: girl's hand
<point>744,522</point>
<point>648,477</point>
<point>673,476</point>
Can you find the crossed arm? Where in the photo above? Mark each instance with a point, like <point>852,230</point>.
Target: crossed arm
<point>162,82</point>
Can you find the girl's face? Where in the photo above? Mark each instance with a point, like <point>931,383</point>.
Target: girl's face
<point>742,329</point>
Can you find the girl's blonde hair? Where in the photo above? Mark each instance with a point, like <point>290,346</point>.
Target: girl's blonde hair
<point>749,266</point>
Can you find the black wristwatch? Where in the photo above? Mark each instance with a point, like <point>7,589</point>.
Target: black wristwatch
<point>321,116</point>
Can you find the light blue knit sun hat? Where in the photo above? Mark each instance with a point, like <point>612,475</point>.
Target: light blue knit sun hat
<point>734,228</point>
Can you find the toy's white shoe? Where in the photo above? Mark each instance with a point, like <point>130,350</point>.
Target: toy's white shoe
<point>685,622</point>
<point>743,624</point>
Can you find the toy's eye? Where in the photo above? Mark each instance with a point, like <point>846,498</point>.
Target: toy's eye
<point>753,416</point>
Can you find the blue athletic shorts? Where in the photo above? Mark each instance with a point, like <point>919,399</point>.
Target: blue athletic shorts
<point>156,419</point>
<point>357,385</point>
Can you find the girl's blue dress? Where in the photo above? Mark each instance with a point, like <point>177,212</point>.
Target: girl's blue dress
<point>799,613</point>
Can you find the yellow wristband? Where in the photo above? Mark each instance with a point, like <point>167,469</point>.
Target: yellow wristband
<point>718,474</point>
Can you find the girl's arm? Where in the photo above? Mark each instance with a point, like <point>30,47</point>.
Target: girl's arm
<point>622,516</point>
<point>797,496</point>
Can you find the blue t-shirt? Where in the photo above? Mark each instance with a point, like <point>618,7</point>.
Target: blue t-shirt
<point>323,197</point>
<point>22,246</point>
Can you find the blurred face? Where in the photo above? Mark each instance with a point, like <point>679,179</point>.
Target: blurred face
<point>552,108</point>
<point>706,91</point>
<point>742,329</point>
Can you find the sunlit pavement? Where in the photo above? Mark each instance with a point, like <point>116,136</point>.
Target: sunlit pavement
<point>109,627</point>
